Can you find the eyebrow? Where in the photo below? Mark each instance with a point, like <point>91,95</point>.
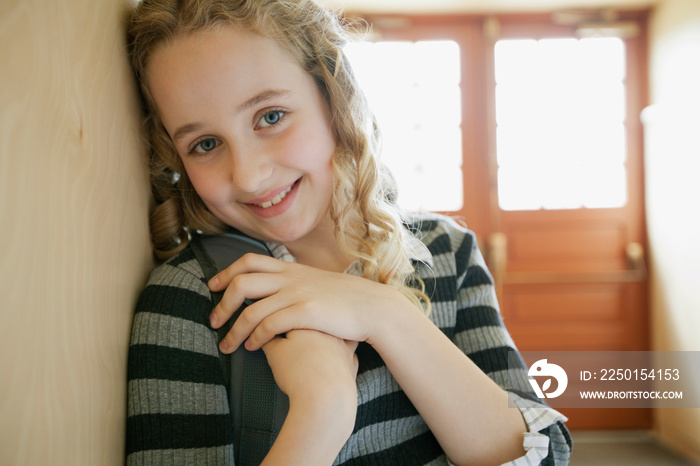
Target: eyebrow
<point>183,131</point>
<point>261,97</point>
<point>257,99</point>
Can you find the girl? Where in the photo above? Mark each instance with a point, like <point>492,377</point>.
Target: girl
<point>393,349</point>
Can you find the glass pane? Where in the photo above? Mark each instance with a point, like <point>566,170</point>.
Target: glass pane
<point>560,113</point>
<point>413,89</point>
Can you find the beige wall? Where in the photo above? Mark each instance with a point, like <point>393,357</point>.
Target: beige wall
<point>672,128</point>
<point>74,240</point>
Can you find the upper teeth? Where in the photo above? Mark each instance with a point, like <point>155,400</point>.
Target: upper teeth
<point>277,199</point>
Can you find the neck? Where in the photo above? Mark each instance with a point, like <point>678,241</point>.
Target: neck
<point>320,250</point>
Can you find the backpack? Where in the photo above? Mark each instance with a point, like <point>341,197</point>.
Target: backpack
<point>258,406</point>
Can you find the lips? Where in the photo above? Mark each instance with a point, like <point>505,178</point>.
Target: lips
<point>274,204</point>
<point>277,199</point>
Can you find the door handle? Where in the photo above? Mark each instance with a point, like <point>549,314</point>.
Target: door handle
<point>635,261</point>
<point>497,257</point>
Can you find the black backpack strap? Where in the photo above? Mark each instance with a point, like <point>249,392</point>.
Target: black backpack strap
<point>258,406</point>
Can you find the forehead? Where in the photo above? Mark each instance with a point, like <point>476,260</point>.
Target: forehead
<point>223,49</point>
<point>196,68</point>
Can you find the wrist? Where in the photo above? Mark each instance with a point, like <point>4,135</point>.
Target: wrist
<point>335,406</point>
<point>391,314</point>
<point>314,431</point>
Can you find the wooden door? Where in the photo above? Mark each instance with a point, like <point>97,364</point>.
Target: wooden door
<point>573,278</point>
<point>568,279</point>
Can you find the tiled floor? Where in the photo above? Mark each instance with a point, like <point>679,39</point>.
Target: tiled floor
<point>621,449</point>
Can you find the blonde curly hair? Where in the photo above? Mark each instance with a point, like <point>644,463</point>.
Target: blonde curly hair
<point>368,223</point>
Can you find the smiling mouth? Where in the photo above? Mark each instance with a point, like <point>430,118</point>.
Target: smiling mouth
<point>277,199</point>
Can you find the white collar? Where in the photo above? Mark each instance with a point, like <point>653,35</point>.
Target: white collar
<point>417,252</point>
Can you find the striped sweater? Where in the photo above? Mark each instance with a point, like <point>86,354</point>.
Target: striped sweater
<point>178,409</point>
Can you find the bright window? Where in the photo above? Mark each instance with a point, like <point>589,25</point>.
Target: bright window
<point>413,89</point>
<point>560,111</point>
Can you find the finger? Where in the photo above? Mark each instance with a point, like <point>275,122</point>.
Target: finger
<point>291,314</point>
<point>270,346</point>
<point>351,344</point>
<point>250,286</point>
<point>288,315</point>
<point>247,263</point>
<point>352,347</point>
<point>277,323</point>
<point>249,319</point>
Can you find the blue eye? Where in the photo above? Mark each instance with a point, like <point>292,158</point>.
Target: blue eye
<point>271,118</point>
<point>205,145</point>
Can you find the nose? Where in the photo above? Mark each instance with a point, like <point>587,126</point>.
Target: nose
<point>250,167</point>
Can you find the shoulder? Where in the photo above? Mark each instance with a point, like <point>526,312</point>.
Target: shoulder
<point>176,383</point>
<point>447,240</point>
<point>171,331</point>
<point>440,233</point>
<point>183,268</point>
<point>177,288</point>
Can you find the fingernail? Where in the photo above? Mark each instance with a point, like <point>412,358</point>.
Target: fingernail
<point>213,320</point>
<point>213,283</point>
<point>224,346</point>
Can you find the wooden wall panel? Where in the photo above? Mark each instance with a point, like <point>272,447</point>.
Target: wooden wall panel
<point>74,237</point>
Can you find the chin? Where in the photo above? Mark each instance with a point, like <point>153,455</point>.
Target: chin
<point>283,238</point>
<point>267,235</point>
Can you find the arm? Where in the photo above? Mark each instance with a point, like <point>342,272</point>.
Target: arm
<point>177,402</point>
<point>455,397</point>
<point>479,332</point>
<point>317,372</point>
<point>445,378</point>
<point>476,328</point>
<point>176,396</point>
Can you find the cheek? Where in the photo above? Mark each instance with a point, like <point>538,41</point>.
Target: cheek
<point>208,183</point>
<point>311,148</point>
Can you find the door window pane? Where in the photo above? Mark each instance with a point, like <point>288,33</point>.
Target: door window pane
<point>413,89</point>
<point>560,113</point>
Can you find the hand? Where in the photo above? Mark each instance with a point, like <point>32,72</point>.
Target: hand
<point>311,365</point>
<point>293,296</point>
<point>317,372</point>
